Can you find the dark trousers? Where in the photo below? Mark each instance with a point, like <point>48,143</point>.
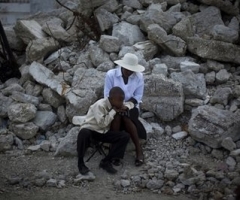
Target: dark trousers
<point>118,139</point>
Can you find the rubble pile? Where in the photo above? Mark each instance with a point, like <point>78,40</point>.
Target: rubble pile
<point>190,50</point>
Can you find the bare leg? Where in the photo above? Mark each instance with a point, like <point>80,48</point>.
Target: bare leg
<point>132,130</point>
<point>116,123</point>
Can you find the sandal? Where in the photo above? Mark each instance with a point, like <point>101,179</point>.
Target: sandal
<point>139,162</point>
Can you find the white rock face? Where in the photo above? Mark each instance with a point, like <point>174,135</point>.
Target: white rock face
<point>187,65</point>
<point>106,19</point>
<point>109,43</point>
<point>180,135</point>
<point>29,30</point>
<point>127,34</point>
<point>25,130</point>
<point>68,145</point>
<point>21,112</point>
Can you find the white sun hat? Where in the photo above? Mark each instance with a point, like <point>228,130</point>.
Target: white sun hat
<point>130,62</point>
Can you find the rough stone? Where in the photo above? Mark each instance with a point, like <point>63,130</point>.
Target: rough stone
<point>235,152</point>
<point>224,33</point>
<point>216,50</point>
<point>105,19</point>
<point>194,102</point>
<point>68,144</point>
<point>51,183</point>
<point>160,69</point>
<point>97,55</point>
<point>147,48</point>
<point>127,34</point>
<point>109,43</point>
<point>183,29</point>
<point>61,113</point>
<point>12,88</point>
<point>171,174</point>
<point>228,144</point>
<point>163,96</point>
<point>155,15</point>
<point>217,154</point>
<point>125,183</point>
<point>169,43</point>
<point>155,184</point>
<point>6,142</point>
<point>34,148</point>
<point>25,131</point>
<point>158,130</point>
<point>44,119</point>
<point>194,85</point>
<point>28,30</point>
<point>5,102</point>
<point>180,135</point>
<point>221,96</point>
<point>25,98</point>
<point>206,20</point>
<point>210,125</point>
<point>39,48</point>
<point>45,145</point>
<point>210,77</point>
<point>214,65</point>
<point>105,66</point>
<point>21,112</point>
<point>132,3</point>
<point>187,65</point>
<point>225,6</point>
<point>148,127</point>
<point>174,62</point>
<point>51,97</point>
<point>18,143</point>
<point>222,76</point>
<point>40,182</point>
<point>230,161</point>
<point>54,28</point>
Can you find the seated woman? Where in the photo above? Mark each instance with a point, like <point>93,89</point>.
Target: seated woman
<point>128,76</point>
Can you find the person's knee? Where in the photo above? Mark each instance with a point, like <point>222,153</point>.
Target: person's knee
<point>84,133</point>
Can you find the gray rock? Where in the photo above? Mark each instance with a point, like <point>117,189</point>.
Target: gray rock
<point>25,98</point>
<point>5,102</point>
<point>6,142</point>
<point>183,29</point>
<point>228,144</point>
<point>14,41</point>
<point>158,130</point>
<point>21,112</point>
<point>18,142</point>
<point>12,88</point>
<point>154,184</point>
<point>225,34</point>
<point>51,183</point>
<point>234,24</point>
<point>160,69</point>
<point>53,98</point>
<point>110,6</point>
<point>40,182</point>
<point>61,113</point>
<point>176,129</point>
<point>45,119</point>
<point>174,62</point>
<point>44,107</point>
<point>205,20</point>
<point>14,180</point>
<point>180,135</point>
<point>187,65</point>
<point>163,96</point>
<point>147,48</point>
<point>146,115</point>
<point>155,15</point>
<point>148,127</point>
<point>171,174</point>
<point>221,96</point>
<point>105,66</point>
<point>34,148</point>
<point>235,152</point>
<point>68,144</point>
<point>169,43</point>
<point>132,3</point>
<point>222,76</point>
<point>105,19</point>
<point>133,19</point>
<point>225,6</point>
<point>216,50</point>
<point>61,184</point>
<point>28,30</point>
<point>54,28</point>
<point>210,77</point>
<point>45,145</point>
<point>194,85</point>
<point>109,43</point>
<point>39,48</point>
<point>97,55</point>
<point>210,125</point>
<point>88,177</point>
<point>214,65</point>
<point>194,102</point>
<point>230,161</point>
<point>25,131</point>
<point>125,183</point>
<point>217,154</point>
<point>127,34</point>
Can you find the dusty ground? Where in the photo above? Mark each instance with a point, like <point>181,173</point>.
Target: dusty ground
<point>20,165</point>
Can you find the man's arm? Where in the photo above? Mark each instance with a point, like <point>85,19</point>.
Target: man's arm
<point>102,116</point>
<point>138,93</point>
<point>108,85</point>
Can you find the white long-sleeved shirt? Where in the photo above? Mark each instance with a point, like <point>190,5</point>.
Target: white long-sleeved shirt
<point>134,88</point>
<point>100,116</point>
